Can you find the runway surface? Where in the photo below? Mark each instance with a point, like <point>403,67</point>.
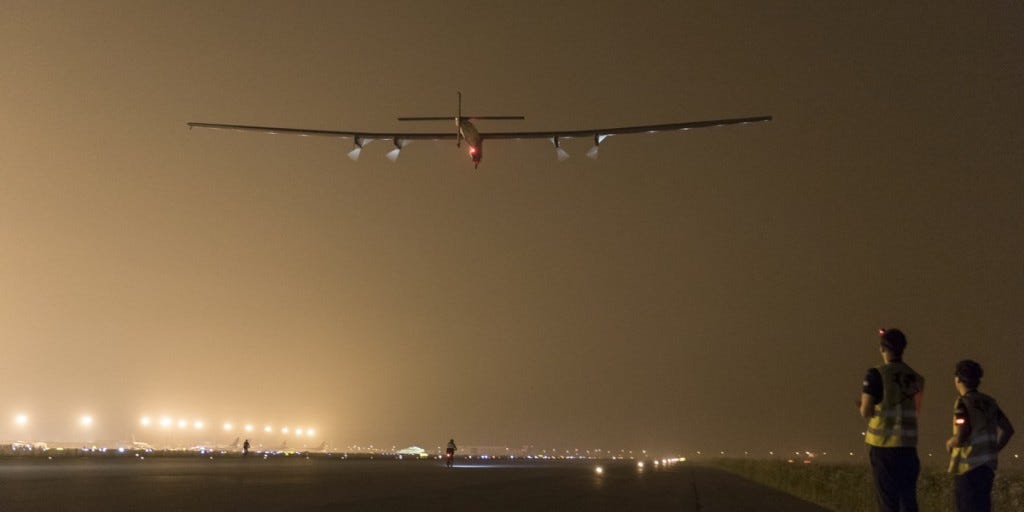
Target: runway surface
<point>327,484</point>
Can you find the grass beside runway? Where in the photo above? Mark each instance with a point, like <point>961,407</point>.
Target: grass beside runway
<point>848,487</point>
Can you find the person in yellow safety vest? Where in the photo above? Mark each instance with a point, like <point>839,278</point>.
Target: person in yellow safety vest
<point>890,400</point>
<point>980,431</point>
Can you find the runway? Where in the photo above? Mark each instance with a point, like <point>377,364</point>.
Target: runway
<point>329,483</point>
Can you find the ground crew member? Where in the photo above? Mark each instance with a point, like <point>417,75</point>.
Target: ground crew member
<point>980,431</point>
<point>890,401</point>
<point>449,453</point>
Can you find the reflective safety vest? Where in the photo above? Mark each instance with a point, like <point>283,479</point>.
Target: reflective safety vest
<point>895,421</point>
<point>980,449</point>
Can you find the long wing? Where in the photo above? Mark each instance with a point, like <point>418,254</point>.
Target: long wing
<point>600,133</point>
<point>359,139</point>
<point>400,139</point>
<point>357,136</point>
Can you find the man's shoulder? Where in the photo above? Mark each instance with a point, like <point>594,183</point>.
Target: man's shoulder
<point>905,368</point>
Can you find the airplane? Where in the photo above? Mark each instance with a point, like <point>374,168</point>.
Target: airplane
<point>29,446</point>
<point>466,130</point>
<point>233,447</point>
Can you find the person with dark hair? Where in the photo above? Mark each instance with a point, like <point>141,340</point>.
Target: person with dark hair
<point>980,431</point>
<point>890,400</point>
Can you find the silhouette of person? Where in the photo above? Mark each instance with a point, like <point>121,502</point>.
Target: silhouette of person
<point>245,447</point>
<point>449,453</point>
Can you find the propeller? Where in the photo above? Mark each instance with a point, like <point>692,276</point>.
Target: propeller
<point>562,154</point>
<point>592,152</point>
<point>359,143</point>
<point>399,144</point>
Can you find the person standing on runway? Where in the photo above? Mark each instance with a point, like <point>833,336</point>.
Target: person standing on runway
<point>449,453</point>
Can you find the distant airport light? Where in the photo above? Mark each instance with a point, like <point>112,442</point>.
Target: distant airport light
<point>21,420</point>
<point>165,422</point>
<point>228,426</point>
<point>599,470</point>
<point>86,420</point>
<point>198,425</point>
<point>145,421</point>
<point>248,428</point>
<point>310,432</point>
<point>182,423</point>
<point>640,465</point>
<point>298,432</point>
<point>284,430</point>
<point>268,429</point>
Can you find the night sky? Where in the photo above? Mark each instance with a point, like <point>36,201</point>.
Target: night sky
<point>716,289</point>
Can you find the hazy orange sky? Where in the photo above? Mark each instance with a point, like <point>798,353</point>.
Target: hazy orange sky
<point>712,289</point>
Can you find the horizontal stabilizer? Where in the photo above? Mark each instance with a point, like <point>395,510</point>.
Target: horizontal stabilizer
<point>450,118</point>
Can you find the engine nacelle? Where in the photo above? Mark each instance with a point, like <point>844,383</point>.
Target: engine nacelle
<point>476,152</point>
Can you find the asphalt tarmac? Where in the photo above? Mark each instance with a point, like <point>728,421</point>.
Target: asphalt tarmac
<point>329,483</point>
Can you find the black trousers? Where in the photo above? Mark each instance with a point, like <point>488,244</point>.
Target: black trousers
<point>973,490</point>
<point>895,471</point>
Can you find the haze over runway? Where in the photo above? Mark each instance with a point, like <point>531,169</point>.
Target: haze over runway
<point>716,289</point>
